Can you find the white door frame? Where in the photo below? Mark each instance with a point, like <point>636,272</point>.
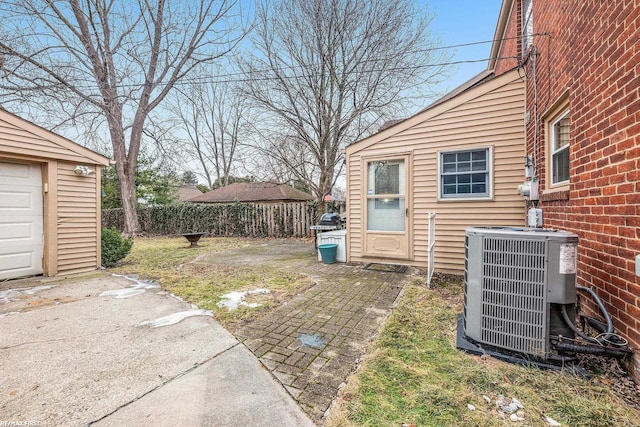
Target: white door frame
<point>388,244</point>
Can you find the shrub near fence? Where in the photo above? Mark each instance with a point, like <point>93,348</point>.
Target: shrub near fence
<point>237,219</point>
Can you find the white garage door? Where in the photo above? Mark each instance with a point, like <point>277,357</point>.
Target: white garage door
<point>21,220</point>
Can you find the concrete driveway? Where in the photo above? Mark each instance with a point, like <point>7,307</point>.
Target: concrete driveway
<point>105,350</point>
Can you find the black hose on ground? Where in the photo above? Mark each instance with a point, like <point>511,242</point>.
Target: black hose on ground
<point>597,325</point>
<point>567,320</point>
<point>608,332</point>
<point>590,349</point>
<point>603,310</point>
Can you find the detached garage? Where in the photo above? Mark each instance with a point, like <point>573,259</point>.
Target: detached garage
<point>49,202</point>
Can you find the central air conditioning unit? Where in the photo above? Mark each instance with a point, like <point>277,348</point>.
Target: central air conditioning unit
<point>516,282</point>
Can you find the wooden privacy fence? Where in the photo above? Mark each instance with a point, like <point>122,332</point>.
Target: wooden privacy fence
<point>237,219</point>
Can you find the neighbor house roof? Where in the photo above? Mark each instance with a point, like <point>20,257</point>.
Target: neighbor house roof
<point>187,192</point>
<point>389,123</point>
<point>253,192</point>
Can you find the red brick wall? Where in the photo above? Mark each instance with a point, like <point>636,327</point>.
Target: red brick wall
<point>510,48</point>
<point>592,55</point>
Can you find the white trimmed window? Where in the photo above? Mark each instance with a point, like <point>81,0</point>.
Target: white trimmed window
<point>465,174</point>
<point>560,149</point>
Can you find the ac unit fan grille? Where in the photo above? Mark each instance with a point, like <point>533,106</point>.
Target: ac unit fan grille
<point>514,309</point>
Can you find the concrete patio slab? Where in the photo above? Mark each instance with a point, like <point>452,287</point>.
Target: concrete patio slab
<point>227,391</point>
<point>72,355</point>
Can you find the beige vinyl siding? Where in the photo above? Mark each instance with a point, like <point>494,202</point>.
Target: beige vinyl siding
<point>71,208</point>
<point>21,138</point>
<point>77,220</point>
<point>355,187</point>
<point>490,115</point>
<point>19,141</point>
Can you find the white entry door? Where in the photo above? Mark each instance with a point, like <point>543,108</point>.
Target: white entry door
<point>386,233</point>
<point>21,220</point>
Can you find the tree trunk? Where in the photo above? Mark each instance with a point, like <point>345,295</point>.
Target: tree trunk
<point>129,209</point>
<point>330,70</point>
<point>326,180</point>
<point>126,179</point>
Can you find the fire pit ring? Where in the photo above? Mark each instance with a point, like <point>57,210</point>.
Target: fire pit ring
<point>193,238</point>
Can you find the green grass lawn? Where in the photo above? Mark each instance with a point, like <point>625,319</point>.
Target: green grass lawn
<point>415,375</point>
<point>177,268</point>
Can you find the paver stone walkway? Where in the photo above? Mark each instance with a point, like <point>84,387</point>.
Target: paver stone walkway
<point>313,342</point>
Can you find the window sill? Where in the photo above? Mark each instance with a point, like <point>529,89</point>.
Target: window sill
<point>556,194</point>
<point>465,199</point>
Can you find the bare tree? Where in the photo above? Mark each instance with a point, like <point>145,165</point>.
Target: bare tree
<point>284,159</point>
<point>326,71</point>
<point>110,61</point>
<point>213,118</point>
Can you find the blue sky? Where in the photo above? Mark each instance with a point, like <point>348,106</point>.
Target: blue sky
<point>465,21</point>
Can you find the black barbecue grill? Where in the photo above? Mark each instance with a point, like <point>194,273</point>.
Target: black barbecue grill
<point>329,221</point>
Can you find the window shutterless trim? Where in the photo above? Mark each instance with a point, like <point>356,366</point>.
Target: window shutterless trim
<point>553,152</point>
<point>487,172</point>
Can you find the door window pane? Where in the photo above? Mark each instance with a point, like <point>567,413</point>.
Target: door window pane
<point>393,203</point>
<point>385,195</point>
<point>384,178</point>
<point>386,215</point>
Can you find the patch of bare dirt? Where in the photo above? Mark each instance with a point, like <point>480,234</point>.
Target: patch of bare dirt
<point>611,373</point>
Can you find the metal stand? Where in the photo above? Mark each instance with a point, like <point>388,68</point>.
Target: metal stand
<point>193,238</point>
